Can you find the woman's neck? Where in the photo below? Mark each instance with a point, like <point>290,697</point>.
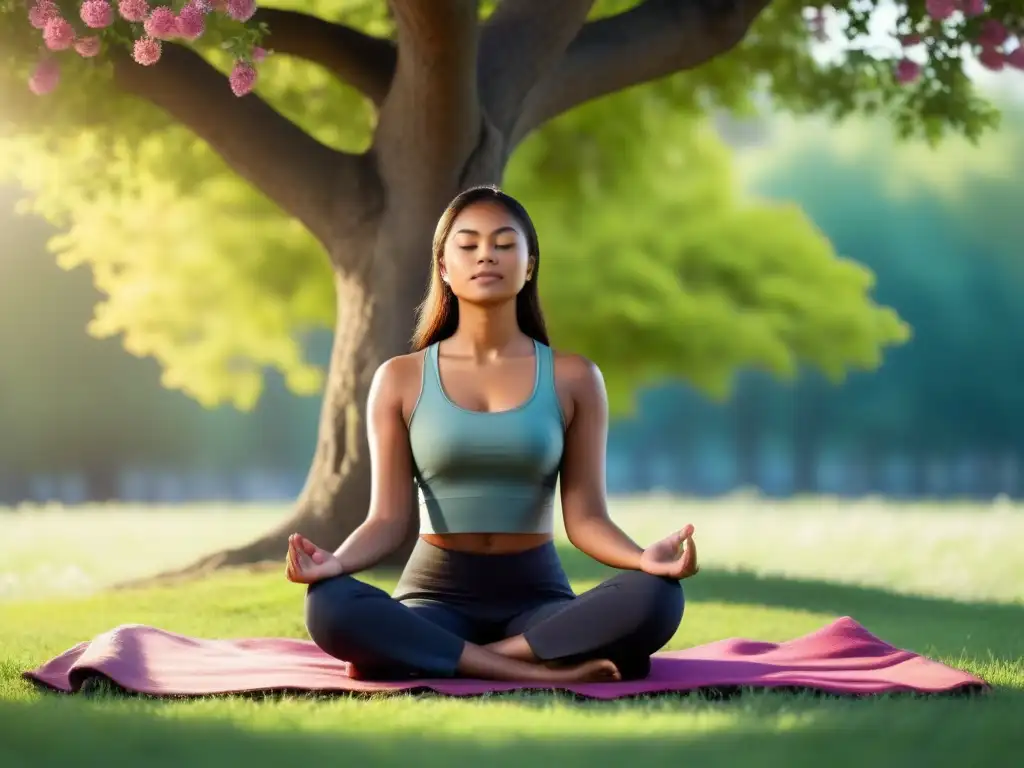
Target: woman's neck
<point>487,331</point>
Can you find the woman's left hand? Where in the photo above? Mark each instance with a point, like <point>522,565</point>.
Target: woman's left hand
<point>664,558</point>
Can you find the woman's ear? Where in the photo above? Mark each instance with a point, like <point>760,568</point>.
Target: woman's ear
<point>442,271</point>
<point>530,265</point>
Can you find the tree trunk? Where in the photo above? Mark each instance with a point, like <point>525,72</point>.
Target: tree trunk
<point>381,275</point>
<point>374,322</point>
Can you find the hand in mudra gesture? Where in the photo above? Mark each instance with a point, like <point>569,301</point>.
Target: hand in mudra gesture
<point>674,557</point>
<point>307,562</point>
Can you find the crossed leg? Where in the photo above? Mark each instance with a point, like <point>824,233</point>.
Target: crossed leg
<point>384,638</point>
<point>625,619</point>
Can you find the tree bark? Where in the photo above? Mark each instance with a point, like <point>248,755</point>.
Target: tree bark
<point>372,325</point>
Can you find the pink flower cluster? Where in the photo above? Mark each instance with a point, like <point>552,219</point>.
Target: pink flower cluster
<point>159,24</point>
<point>992,38</point>
<point>941,10</point>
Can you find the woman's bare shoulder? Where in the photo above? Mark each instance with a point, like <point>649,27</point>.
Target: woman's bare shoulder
<point>398,380</point>
<point>578,375</point>
<point>575,367</point>
<point>400,368</point>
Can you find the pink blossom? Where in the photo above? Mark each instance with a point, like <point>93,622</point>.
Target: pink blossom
<point>97,14</point>
<point>241,10</point>
<point>907,71</point>
<point>191,22</point>
<point>940,9</point>
<point>162,24</point>
<point>992,34</point>
<point>42,12</point>
<point>816,25</point>
<point>910,40</point>
<point>259,54</point>
<point>133,10</point>
<point>146,51</point>
<point>1015,58</point>
<point>87,47</point>
<point>45,77</point>
<point>972,7</point>
<point>243,78</point>
<point>58,34</point>
<point>203,5</point>
<point>992,59</point>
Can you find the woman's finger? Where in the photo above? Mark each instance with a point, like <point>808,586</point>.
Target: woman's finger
<point>680,536</point>
<point>691,556</point>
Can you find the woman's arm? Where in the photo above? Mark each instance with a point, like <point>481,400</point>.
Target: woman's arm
<point>584,504</point>
<point>390,511</point>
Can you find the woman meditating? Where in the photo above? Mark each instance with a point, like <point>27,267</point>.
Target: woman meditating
<point>481,420</point>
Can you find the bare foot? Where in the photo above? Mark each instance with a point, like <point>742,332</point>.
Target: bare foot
<point>516,648</point>
<point>477,661</point>
<point>596,671</point>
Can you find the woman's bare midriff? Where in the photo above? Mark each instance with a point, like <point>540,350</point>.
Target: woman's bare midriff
<point>487,543</point>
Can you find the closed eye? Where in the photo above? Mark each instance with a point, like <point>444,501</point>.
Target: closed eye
<point>499,246</point>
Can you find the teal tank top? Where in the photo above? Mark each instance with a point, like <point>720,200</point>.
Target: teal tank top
<point>479,472</point>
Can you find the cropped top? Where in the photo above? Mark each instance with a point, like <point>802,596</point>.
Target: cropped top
<point>487,472</point>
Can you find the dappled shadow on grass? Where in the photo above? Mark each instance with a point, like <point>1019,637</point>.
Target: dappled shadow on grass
<point>54,732</point>
<point>918,623</point>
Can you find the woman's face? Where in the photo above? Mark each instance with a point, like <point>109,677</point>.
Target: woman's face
<point>486,258</point>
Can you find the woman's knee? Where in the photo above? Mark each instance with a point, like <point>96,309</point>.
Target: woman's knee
<point>660,602</point>
<point>332,607</point>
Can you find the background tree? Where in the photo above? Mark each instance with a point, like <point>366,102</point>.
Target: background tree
<point>359,136</point>
<point>954,274</point>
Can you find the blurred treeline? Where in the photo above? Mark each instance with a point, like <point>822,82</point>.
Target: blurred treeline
<point>943,417</point>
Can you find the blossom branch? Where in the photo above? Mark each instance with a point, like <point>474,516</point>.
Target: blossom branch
<point>288,165</point>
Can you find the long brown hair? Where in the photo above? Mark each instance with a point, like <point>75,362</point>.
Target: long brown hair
<point>438,314</point>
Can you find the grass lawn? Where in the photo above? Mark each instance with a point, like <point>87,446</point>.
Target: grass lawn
<point>944,581</point>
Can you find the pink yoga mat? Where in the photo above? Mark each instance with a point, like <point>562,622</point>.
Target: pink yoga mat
<point>840,658</point>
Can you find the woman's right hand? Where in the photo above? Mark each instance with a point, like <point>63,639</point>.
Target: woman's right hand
<point>308,563</point>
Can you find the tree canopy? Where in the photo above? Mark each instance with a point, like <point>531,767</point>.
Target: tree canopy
<point>660,266</point>
<point>942,242</point>
<point>205,273</point>
<point>955,275</point>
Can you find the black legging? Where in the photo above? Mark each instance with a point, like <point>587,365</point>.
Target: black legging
<point>448,598</point>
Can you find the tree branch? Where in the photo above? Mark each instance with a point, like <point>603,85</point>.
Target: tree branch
<point>521,42</point>
<point>430,121</point>
<point>365,62</point>
<point>654,39</point>
<point>288,165</point>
